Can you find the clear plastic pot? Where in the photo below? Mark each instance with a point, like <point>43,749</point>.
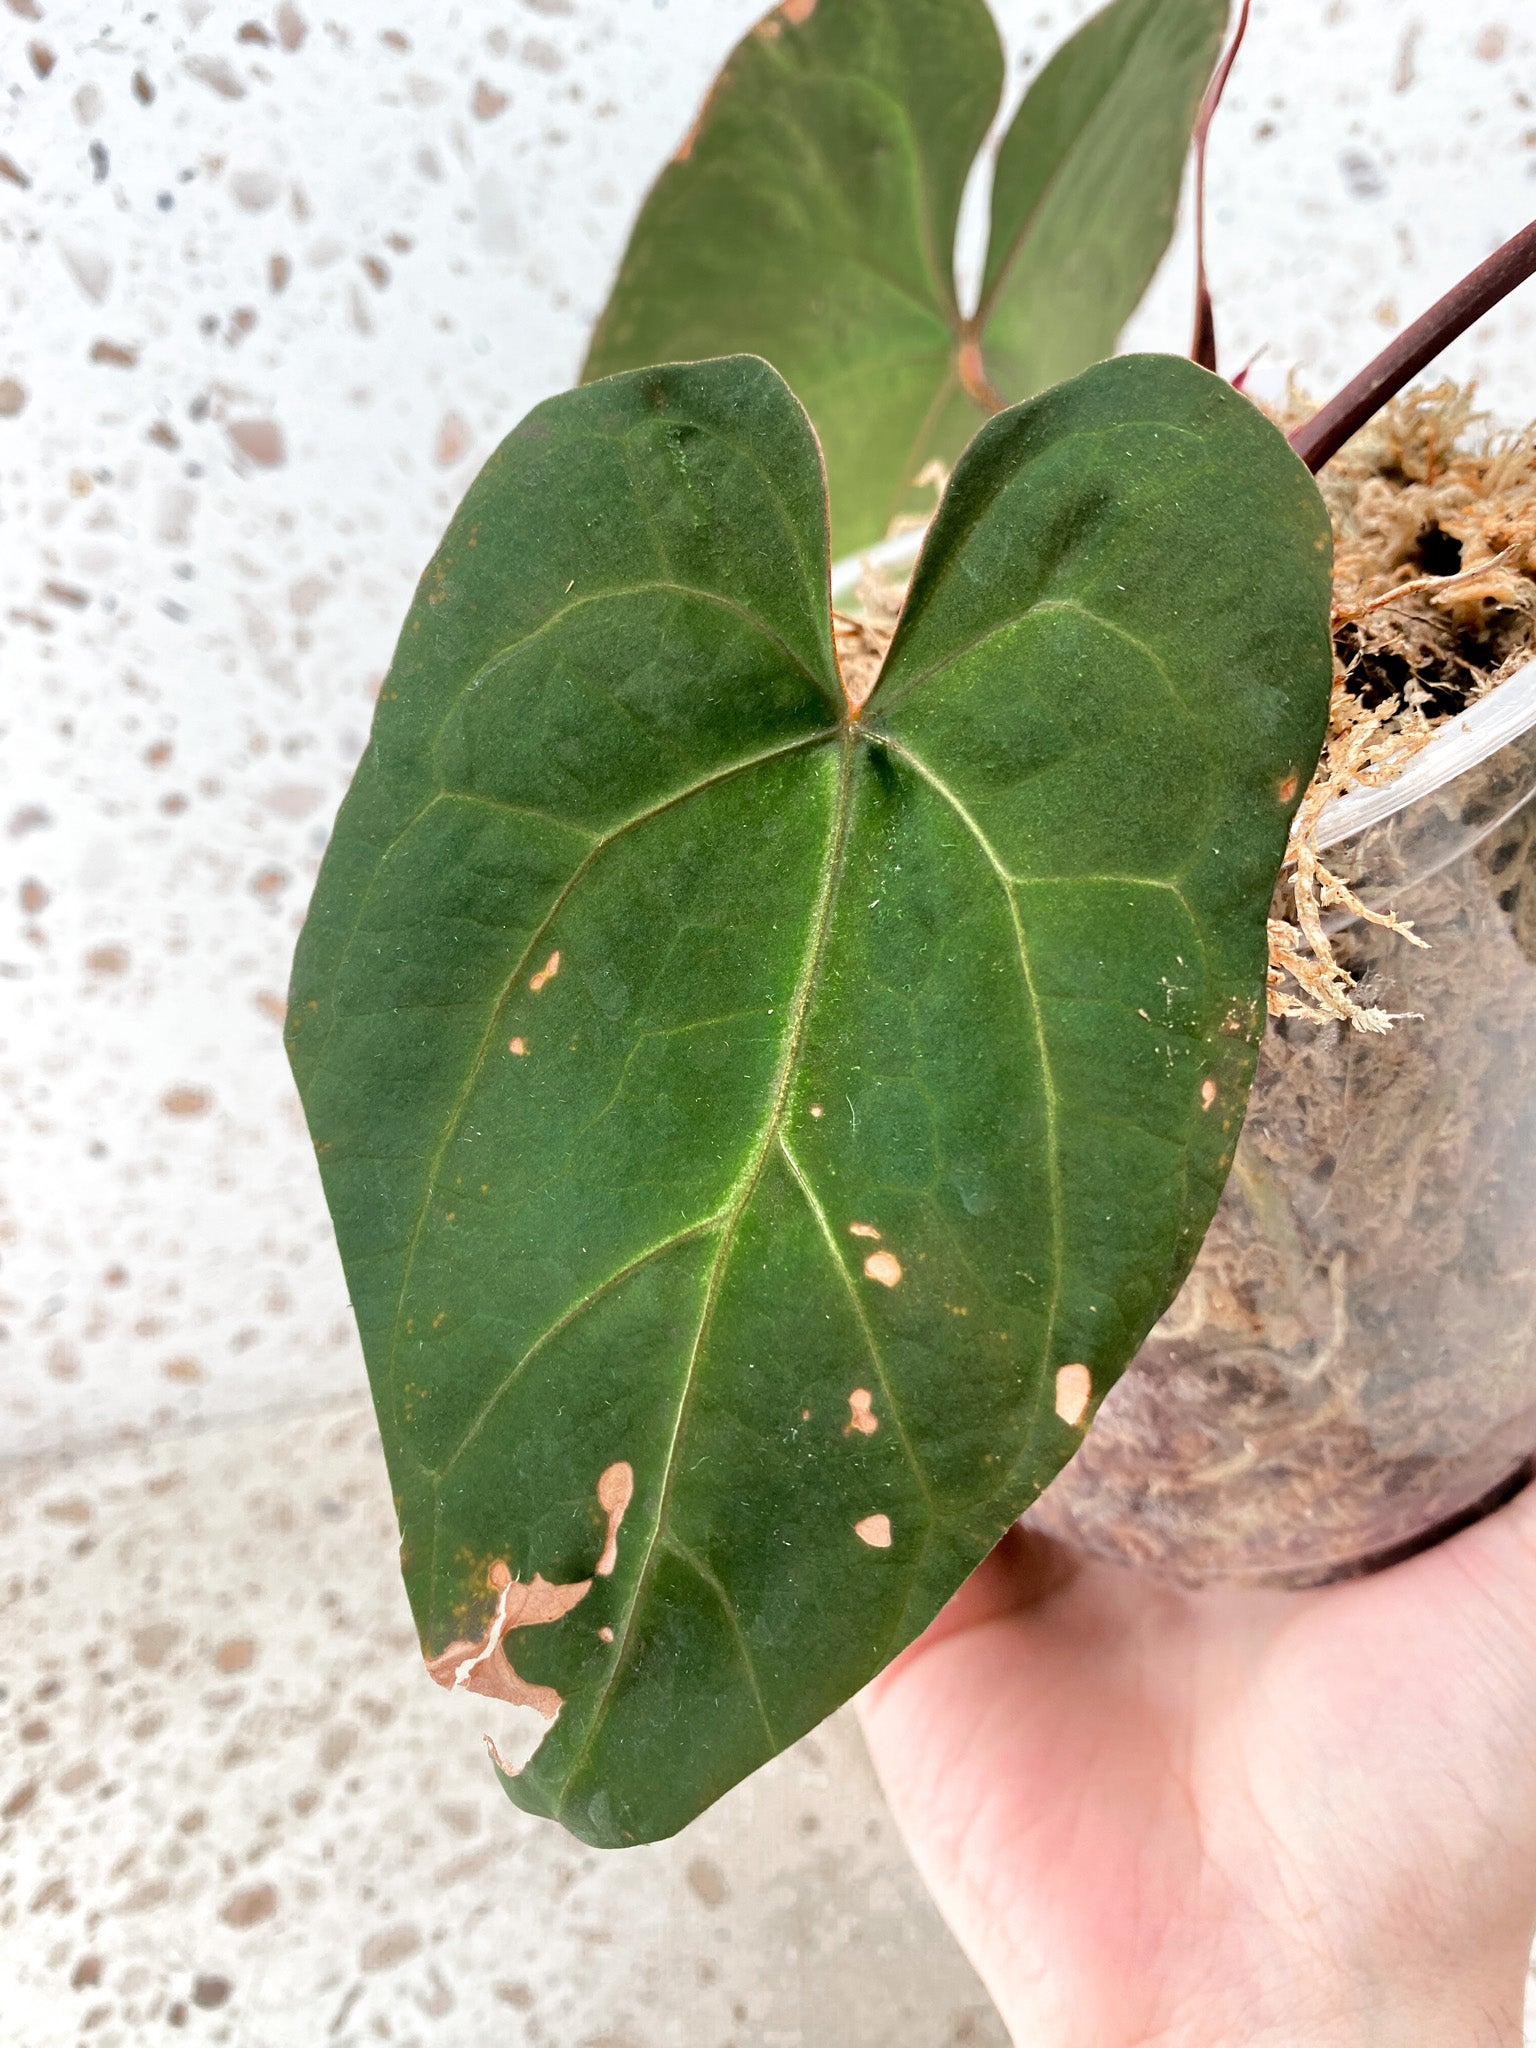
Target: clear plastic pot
<point>1349,1372</point>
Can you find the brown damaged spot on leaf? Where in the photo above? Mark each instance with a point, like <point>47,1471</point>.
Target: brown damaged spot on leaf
<point>884,1267</point>
<point>861,1415</point>
<point>547,972</point>
<point>862,1230</point>
<point>875,1530</point>
<point>1207,1092</point>
<point>517,1047</point>
<point>797,12</point>
<point>483,1667</point>
<point>615,1491</point>
<point>1074,1390</point>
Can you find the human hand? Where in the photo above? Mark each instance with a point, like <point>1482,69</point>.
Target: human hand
<point>1158,1819</point>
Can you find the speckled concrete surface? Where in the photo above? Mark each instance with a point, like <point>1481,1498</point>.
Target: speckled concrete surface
<point>232,1803</point>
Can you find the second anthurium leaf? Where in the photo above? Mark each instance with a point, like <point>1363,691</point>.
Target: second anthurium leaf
<point>1086,188</point>
<point>758,1130</point>
<point>810,215</point>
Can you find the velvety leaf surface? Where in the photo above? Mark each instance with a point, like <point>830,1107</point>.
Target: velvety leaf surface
<point>809,217</point>
<point>736,1112</point>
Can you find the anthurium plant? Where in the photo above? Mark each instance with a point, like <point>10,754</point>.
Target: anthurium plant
<point>761,1120</point>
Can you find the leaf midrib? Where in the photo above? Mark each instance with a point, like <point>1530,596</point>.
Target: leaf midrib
<point>728,1219</point>
<point>799,1010</point>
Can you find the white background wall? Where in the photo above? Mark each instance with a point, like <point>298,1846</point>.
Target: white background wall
<point>268,295</point>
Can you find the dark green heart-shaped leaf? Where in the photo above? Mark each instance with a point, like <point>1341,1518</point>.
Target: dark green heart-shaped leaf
<point>736,1113</point>
<point>810,217</point>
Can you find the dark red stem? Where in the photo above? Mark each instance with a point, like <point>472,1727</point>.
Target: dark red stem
<point>1203,348</point>
<point>1363,397</point>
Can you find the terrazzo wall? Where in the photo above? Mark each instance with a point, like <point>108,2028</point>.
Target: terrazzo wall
<point>272,284</point>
